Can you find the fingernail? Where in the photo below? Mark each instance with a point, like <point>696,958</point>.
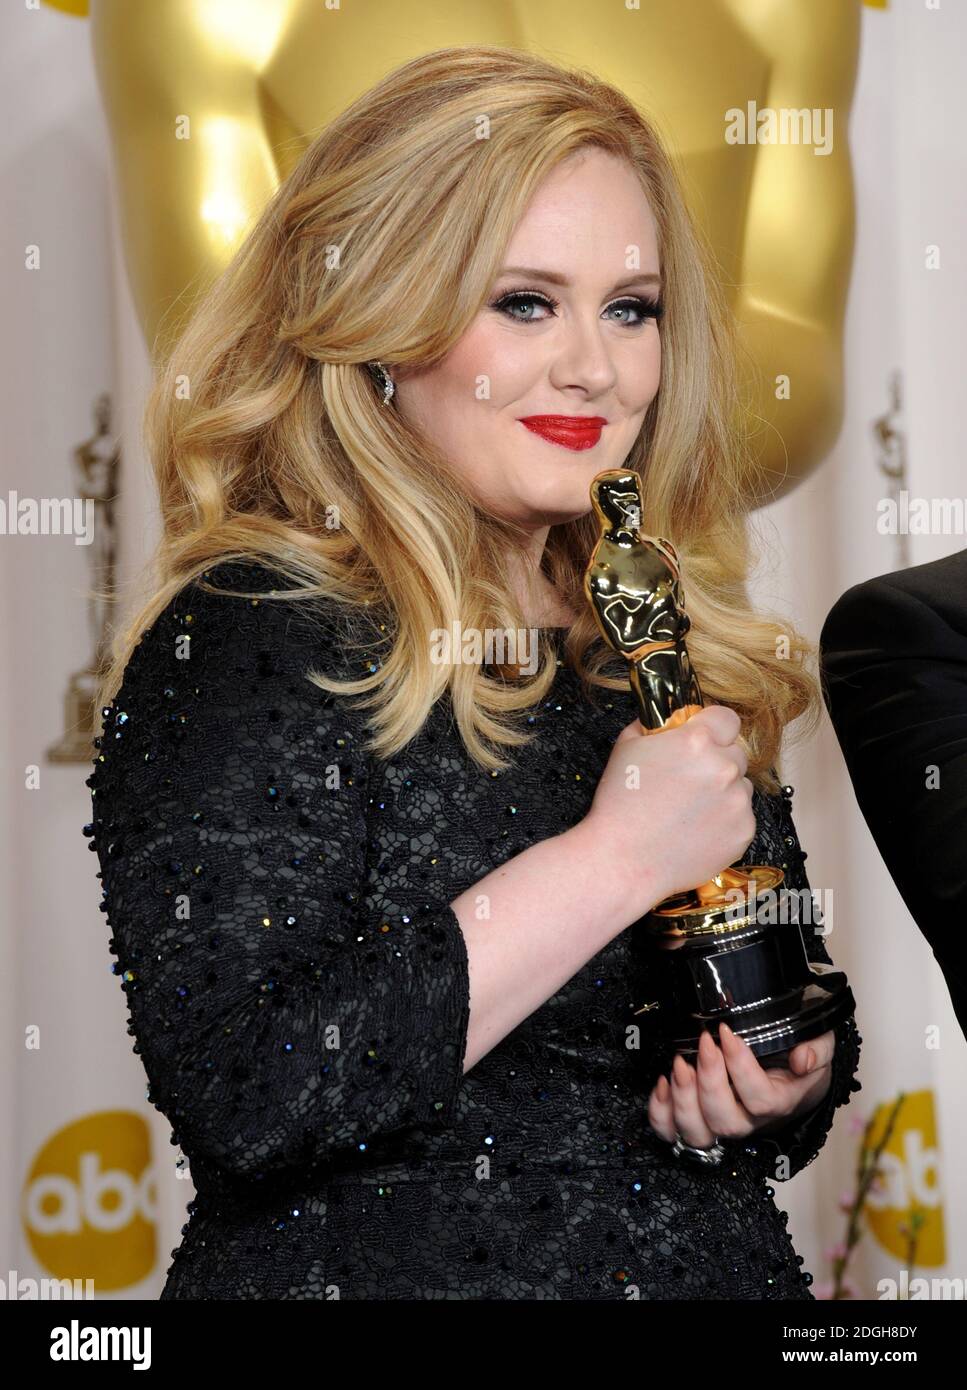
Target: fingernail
<point>811,1057</point>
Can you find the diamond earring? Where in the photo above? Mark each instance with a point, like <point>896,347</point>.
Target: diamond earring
<point>383,380</point>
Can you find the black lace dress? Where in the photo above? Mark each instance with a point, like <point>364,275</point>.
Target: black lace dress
<point>298,993</point>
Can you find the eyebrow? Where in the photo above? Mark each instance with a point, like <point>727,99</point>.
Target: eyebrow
<point>554,278</point>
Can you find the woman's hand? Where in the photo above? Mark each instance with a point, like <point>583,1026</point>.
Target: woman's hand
<point>685,811</point>
<point>730,1095</point>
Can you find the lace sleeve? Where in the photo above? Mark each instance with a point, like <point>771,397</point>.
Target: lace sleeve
<point>277,1024</point>
<point>787,1150</point>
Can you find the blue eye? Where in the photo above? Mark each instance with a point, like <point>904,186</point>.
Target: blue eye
<point>513,300</point>
<point>645,308</point>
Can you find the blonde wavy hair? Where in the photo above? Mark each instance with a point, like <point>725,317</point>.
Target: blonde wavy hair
<point>383,243</point>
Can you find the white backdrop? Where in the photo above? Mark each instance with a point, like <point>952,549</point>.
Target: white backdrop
<point>907,140</point>
<point>74,1107</point>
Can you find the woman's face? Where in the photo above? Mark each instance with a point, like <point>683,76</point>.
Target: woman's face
<point>575,339</point>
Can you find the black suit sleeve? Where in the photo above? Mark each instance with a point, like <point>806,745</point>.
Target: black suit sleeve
<point>894,661</point>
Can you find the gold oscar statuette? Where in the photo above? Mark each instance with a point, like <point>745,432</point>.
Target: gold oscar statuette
<point>731,949</point>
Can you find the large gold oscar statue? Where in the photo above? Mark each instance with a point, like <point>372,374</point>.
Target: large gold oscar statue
<point>210,104</point>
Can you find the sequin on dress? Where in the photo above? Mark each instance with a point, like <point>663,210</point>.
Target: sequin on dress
<point>298,993</point>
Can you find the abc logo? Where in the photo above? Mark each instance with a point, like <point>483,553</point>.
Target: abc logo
<point>90,1201</point>
<point>910,1180</point>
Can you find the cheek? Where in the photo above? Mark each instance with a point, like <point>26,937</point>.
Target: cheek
<point>494,365</point>
<point>641,375</point>
<point>437,401</point>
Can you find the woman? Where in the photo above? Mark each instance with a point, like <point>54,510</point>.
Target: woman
<point>377,968</point>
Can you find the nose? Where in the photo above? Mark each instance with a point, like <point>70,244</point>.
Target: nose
<point>583,358</point>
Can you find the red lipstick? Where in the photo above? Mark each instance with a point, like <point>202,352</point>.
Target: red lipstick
<point>570,431</point>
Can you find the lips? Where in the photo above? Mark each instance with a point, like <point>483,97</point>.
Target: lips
<point>570,431</point>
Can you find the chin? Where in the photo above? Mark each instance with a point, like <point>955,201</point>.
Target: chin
<point>567,504</point>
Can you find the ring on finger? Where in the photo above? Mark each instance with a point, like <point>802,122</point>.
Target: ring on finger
<point>707,1156</point>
